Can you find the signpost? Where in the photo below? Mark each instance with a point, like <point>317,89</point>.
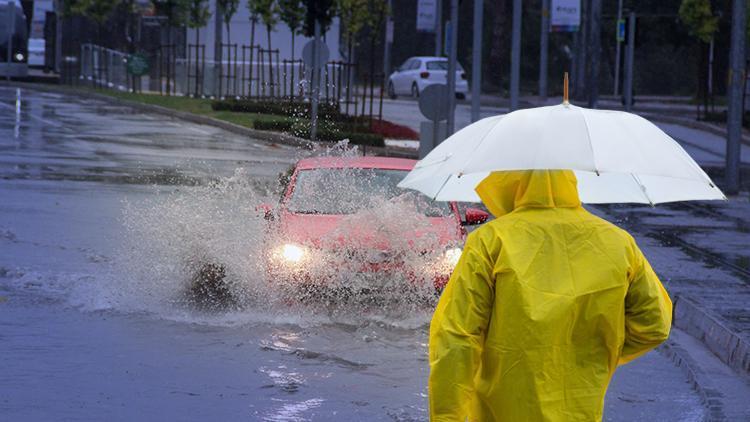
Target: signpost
<point>565,15</point>
<point>426,15</point>
<point>138,65</point>
<point>433,106</point>
<point>315,55</point>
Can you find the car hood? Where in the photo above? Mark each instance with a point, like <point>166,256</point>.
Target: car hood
<point>322,231</point>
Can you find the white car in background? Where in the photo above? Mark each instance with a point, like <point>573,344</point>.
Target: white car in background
<point>419,72</point>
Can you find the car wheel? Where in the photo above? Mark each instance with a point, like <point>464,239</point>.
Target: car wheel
<point>414,90</point>
<point>460,96</point>
<point>208,287</point>
<point>391,91</point>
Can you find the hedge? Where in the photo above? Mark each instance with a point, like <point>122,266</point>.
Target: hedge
<point>286,108</point>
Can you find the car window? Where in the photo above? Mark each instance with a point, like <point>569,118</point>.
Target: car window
<point>442,65</point>
<point>406,65</point>
<point>335,191</point>
<point>416,64</point>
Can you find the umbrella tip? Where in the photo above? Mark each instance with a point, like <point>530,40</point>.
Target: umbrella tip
<point>565,89</point>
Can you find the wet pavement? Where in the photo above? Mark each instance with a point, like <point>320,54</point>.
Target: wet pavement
<point>89,328</point>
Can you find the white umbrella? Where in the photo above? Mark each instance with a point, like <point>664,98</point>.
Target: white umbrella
<point>617,157</point>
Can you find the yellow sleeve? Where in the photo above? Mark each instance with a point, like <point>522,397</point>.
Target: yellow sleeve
<point>457,334</point>
<point>648,311</point>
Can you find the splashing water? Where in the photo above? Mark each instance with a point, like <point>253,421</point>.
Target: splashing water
<point>379,261</point>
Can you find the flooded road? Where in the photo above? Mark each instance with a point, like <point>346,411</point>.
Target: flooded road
<point>91,325</point>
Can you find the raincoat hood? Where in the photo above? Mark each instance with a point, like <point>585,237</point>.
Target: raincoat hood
<point>502,192</point>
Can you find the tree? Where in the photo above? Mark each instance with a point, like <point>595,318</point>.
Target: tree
<point>700,20</point>
<point>198,17</point>
<point>174,12</point>
<point>97,11</point>
<point>702,24</point>
<point>292,13</point>
<point>268,11</point>
<point>321,11</point>
<point>354,15</point>
<point>230,9</point>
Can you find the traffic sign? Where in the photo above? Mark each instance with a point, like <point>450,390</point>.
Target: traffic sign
<point>433,102</point>
<point>621,30</point>
<point>307,54</point>
<point>137,64</point>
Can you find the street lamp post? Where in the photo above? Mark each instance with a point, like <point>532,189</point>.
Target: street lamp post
<point>453,40</point>
<point>736,83</point>
<point>515,56</point>
<point>476,62</point>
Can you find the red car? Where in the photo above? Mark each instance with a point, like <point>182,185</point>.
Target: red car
<point>342,223</point>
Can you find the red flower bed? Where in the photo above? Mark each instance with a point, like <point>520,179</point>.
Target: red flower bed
<point>391,130</point>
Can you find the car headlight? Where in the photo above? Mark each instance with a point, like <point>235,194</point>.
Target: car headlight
<point>293,253</point>
<point>19,56</point>
<point>452,256</point>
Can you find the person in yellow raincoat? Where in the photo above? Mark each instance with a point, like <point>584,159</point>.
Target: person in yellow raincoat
<point>545,302</point>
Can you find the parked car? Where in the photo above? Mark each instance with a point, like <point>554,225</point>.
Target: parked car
<point>313,243</point>
<point>416,73</point>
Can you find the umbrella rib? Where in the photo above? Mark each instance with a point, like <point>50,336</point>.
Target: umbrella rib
<point>591,144</point>
<point>643,188</point>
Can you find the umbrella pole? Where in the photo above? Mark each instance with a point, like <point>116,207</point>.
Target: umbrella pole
<point>565,89</point>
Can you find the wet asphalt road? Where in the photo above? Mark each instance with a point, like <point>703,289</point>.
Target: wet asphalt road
<point>74,347</point>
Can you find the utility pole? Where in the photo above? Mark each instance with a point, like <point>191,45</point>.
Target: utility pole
<point>476,62</point>
<point>629,58</point>
<point>736,83</point>
<point>580,57</point>
<point>453,47</point>
<point>515,55</point>
<point>11,8</point>
<point>388,42</point>
<point>595,46</point>
<point>617,48</point>
<point>315,74</point>
<point>544,50</point>
<point>438,28</point>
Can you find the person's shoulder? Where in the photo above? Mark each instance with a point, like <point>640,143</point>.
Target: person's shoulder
<point>611,230</point>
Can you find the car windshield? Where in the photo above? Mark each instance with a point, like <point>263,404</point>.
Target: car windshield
<point>349,190</point>
<point>442,65</point>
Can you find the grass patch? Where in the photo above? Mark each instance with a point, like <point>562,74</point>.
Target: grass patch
<point>336,128</point>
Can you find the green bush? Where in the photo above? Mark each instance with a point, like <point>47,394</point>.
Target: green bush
<point>280,125</point>
<point>283,107</point>
<point>358,138</point>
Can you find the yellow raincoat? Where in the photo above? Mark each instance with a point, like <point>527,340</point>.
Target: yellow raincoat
<point>544,303</point>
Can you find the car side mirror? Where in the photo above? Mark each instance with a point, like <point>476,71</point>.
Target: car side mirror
<point>474,216</point>
<point>266,210</point>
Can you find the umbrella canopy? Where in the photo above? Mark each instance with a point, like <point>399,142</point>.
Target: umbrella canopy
<point>617,157</point>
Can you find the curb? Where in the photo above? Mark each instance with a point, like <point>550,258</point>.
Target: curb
<point>694,124</point>
<point>262,135</point>
<point>725,344</point>
<point>711,398</point>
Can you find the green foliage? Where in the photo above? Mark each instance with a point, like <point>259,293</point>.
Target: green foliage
<point>699,18</point>
<point>292,13</point>
<point>317,10</point>
<point>286,108</point>
<point>96,10</point>
<point>354,15</point>
<point>174,10</point>
<point>198,14</point>
<point>269,14</point>
<point>378,11</point>
<point>229,7</point>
